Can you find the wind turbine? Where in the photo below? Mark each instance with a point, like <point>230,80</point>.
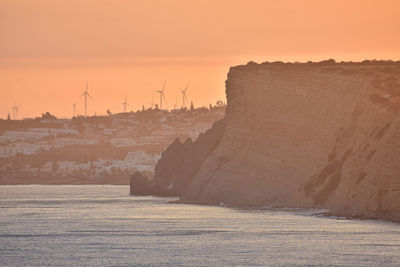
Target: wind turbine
<point>125,104</point>
<point>15,110</point>
<point>86,94</point>
<point>74,109</point>
<point>184,99</point>
<point>162,95</point>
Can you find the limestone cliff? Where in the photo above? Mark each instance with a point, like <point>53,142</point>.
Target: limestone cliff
<point>308,135</point>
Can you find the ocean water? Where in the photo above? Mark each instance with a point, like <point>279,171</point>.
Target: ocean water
<point>104,226</point>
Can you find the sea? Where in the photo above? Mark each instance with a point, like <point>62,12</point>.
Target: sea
<point>96,225</point>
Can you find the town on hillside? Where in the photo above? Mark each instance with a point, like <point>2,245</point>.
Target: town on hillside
<point>95,149</point>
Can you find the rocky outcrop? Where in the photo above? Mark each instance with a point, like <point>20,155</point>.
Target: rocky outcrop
<point>323,135</point>
<point>140,185</point>
<point>178,164</point>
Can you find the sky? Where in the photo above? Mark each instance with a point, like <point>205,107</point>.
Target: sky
<point>50,48</point>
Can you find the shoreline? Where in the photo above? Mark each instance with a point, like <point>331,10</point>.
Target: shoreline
<point>319,212</point>
<point>323,211</point>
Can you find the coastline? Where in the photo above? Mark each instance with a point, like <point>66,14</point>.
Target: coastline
<point>284,141</point>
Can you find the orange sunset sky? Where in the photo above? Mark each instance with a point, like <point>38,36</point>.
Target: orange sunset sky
<point>49,48</point>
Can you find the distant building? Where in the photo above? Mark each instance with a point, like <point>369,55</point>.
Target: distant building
<point>150,140</point>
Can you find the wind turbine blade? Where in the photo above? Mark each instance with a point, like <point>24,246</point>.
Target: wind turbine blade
<point>163,86</point>
<point>186,87</point>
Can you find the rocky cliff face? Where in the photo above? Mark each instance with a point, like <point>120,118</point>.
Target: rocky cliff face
<point>307,135</point>
<point>178,164</point>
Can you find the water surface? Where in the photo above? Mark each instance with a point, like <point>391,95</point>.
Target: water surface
<point>96,225</point>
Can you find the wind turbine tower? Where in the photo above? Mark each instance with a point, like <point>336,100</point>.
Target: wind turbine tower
<point>74,109</point>
<point>15,110</point>
<point>162,95</point>
<point>86,94</point>
<point>125,104</point>
<point>184,99</point>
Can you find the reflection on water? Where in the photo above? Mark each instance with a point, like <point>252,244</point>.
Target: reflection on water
<point>101,225</point>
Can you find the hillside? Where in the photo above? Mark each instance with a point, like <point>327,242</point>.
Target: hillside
<point>93,150</point>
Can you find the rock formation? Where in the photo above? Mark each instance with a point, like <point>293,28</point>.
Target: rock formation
<point>140,185</point>
<point>323,135</point>
<point>178,164</point>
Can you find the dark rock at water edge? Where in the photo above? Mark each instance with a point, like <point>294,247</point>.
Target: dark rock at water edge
<point>140,185</point>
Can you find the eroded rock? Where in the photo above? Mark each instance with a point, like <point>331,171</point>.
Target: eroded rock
<point>308,135</point>
<point>140,185</point>
<point>324,135</point>
<point>180,162</point>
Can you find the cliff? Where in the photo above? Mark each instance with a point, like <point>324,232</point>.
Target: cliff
<point>323,135</point>
<point>178,164</point>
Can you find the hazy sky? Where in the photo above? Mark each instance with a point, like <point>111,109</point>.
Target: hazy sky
<point>48,48</point>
